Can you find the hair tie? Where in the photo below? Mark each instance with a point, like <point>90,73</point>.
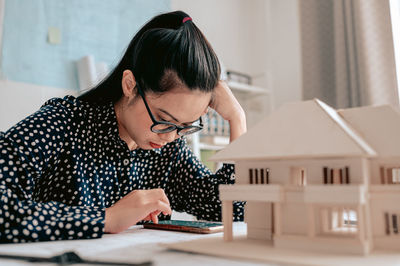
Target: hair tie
<point>186,19</point>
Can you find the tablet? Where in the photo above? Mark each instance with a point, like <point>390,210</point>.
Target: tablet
<point>199,227</point>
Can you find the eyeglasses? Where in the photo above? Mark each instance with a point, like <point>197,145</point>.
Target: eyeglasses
<point>166,127</point>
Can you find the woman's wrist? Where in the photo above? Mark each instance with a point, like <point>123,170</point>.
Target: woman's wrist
<point>107,221</point>
<point>237,125</point>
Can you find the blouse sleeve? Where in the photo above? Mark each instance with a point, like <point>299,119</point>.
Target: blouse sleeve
<point>194,188</point>
<point>27,150</point>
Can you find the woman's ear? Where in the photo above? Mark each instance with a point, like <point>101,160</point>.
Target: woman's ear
<point>128,84</point>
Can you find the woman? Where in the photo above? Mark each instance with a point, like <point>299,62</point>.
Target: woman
<point>116,155</point>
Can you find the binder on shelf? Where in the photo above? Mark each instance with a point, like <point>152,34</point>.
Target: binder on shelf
<point>215,125</point>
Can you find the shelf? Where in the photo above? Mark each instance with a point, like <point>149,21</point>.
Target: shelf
<point>207,146</point>
<point>245,94</point>
<point>215,140</point>
<point>241,87</point>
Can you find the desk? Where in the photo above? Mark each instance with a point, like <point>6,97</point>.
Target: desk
<point>133,245</point>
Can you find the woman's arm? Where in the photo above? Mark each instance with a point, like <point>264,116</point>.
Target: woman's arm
<point>227,106</point>
<point>193,188</point>
<point>27,151</point>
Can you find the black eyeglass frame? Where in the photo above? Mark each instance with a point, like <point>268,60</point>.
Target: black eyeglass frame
<point>172,125</point>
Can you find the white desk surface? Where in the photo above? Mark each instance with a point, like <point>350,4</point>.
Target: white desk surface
<point>133,245</point>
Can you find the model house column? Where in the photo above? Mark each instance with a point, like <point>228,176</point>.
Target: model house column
<point>341,220</point>
<point>277,219</point>
<point>368,225</point>
<point>311,220</point>
<point>361,224</point>
<point>227,217</point>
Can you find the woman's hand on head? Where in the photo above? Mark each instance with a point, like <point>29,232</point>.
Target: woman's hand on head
<point>138,205</point>
<point>227,106</point>
<point>225,103</point>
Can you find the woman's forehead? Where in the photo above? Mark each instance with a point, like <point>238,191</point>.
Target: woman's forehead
<point>183,104</point>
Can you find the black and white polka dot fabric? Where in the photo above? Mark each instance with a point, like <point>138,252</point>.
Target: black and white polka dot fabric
<point>62,166</point>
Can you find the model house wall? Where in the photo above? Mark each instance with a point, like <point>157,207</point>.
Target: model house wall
<point>288,172</point>
<point>319,179</point>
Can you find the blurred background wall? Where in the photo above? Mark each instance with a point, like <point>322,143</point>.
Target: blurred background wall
<point>43,40</point>
<point>340,51</point>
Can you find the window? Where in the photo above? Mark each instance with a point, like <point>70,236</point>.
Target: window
<point>259,176</point>
<point>338,220</point>
<point>391,223</point>
<point>298,176</point>
<point>390,175</point>
<point>336,175</point>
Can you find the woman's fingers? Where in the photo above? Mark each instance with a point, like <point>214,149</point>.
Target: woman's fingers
<point>161,195</point>
<point>154,218</point>
<point>160,206</point>
<point>137,206</point>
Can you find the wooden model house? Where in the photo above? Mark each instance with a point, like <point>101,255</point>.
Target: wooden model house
<point>319,179</point>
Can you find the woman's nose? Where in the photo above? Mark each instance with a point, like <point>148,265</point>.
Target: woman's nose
<point>169,137</point>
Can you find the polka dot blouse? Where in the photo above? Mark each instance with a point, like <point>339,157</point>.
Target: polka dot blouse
<point>62,166</point>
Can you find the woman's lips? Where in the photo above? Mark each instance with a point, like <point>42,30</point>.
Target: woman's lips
<point>155,146</point>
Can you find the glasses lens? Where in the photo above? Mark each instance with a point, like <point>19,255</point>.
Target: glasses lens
<point>163,128</point>
<point>189,130</point>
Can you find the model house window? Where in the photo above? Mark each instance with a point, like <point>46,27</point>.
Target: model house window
<point>336,175</point>
<point>298,176</point>
<point>259,175</point>
<point>390,175</point>
<point>391,223</point>
<point>338,220</point>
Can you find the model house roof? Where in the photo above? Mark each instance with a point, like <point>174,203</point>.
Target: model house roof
<point>378,125</point>
<point>309,129</point>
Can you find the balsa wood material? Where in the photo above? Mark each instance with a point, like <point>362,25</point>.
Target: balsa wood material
<point>298,130</point>
<point>227,219</point>
<point>333,179</point>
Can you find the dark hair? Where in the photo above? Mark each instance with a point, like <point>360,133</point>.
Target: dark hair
<point>166,52</point>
